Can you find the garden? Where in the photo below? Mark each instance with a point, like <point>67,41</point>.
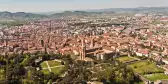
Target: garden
<point>52,66</point>
<point>125,59</point>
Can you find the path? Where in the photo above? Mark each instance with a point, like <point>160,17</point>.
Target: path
<point>57,60</point>
<point>48,66</point>
<point>134,58</point>
<point>54,67</point>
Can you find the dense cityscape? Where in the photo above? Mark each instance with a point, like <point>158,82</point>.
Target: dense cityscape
<point>114,46</point>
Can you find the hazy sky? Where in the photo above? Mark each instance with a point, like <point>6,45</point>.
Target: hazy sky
<point>59,5</point>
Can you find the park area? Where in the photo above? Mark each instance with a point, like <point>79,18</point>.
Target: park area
<point>125,59</point>
<point>54,66</point>
<point>145,67</point>
<point>149,70</point>
<point>156,76</point>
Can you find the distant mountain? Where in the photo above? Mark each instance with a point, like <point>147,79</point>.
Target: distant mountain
<point>111,11</point>
<point>20,15</point>
<point>134,10</point>
<point>74,13</point>
<point>23,15</point>
<point>6,14</point>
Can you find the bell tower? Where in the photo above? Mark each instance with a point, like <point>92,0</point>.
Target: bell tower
<point>83,50</point>
<point>92,42</point>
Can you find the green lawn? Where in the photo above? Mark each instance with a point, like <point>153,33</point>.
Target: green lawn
<point>156,76</point>
<point>145,67</point>
<point>53,63</point>
<point>44,65</point>
<point>58,70</point>
<point>46,71</point>
<point>125,59</point>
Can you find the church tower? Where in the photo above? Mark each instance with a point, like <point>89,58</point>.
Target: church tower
<point>83,50</point>
<point>92,42</point>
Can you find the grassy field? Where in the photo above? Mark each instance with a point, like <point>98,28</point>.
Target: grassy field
<point>156,76</point>
<point>58,70</point>
<point>53,66</point>
<point>46,71</point>
<point>53,63</point>
<point>145,67</point>
<point>125,59</point>
<point>43,65</point>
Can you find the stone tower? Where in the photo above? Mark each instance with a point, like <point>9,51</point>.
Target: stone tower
<point>83,50</point>
<point>92,42</point>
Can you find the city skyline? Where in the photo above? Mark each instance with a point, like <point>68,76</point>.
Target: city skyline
<point>63,5</point>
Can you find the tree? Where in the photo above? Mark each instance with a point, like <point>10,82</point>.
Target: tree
<point>37,77</point>
<point>113,74</point>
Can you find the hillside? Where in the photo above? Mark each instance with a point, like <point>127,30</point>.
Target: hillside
<point>21,15</point>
